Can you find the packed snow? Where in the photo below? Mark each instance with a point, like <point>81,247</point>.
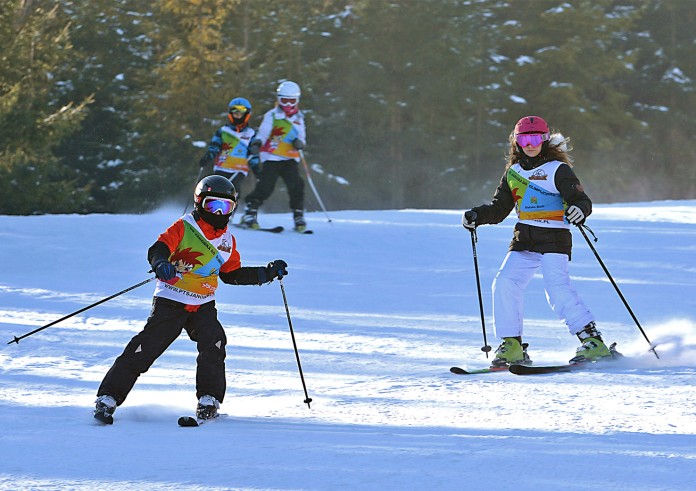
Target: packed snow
<point>382,304</point>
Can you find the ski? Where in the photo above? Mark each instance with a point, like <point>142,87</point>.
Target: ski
<point>461,371</point>
<point>539,369</point>
<point>104,418</point>
<point>532,370</point>
<point>273,230</point>
<point>192,421</point>
<point>568,367</point>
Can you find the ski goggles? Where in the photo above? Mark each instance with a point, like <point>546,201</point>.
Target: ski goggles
<point>218,206</point>
<point>238,109</point>
<point>288,101</point>
<point>533,139</point>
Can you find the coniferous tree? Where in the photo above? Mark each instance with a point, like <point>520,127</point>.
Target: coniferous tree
<point>34,118</point>
<point>407,103</point>
<point>564,66</point>
<point>663,96</point>
<point>391,90</point>
<point>112,53</point>
<point>289,41</point>
<point>474,100</point>
<point>193,68</point>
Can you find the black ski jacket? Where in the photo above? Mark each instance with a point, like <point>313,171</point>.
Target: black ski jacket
<point>528,237</point>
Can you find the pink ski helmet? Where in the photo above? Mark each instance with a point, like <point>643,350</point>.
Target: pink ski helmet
<point>531,124</point>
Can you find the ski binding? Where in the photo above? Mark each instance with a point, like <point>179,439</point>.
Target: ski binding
<point>568,367</point>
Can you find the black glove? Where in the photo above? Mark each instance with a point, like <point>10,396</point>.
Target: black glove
<point>205,159</point>
<point>298,144</point>
<point>275,269</point>
<point>255,147</point>
<point>164,270</point>
<point>469,220</point>
<point>255,166</point>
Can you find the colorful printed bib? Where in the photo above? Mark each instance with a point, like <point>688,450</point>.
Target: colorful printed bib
<point>197,261</point>
<point>234,150</point>
<point>280,141</point>
<point>537,201</point>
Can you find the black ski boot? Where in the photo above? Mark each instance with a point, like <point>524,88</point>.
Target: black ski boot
<point>104,409</point>
<point>300,223</point>
<point>207,408</point>
<point>249,217</point>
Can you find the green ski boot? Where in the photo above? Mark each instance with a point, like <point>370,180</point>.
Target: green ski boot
<point>511,352</point>
<point>593,347</point>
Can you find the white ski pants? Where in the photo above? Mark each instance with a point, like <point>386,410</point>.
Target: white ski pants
<point>511,282</point>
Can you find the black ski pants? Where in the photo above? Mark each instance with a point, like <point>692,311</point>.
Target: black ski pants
<point>288,170</point>
<point>166,321</point>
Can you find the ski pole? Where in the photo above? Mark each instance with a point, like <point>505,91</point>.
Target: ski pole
<point>294,344</point>
<point>311,184</point>
<point>200,176</point>
<point>601,263</point>
<point>18,339</point>
<point>485,348</point>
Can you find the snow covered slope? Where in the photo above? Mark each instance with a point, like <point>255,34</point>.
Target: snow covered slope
<point>382,303</point>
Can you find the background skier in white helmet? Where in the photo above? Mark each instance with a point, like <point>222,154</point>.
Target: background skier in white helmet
<point>281,137</point>
<point>230,149</point>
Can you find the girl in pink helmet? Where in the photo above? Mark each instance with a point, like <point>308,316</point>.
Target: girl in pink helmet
<point>548,198</point>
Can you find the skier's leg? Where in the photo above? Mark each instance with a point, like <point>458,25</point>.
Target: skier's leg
<point>509,286</point>
<point>295,184</point>
<point>237,179</point>
<point>561,295</point>
<point>205,329</point>
<point>293,180</point>
<point>163,326</point>
<point>264,186</point>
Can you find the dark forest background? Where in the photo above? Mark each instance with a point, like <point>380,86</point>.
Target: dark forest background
<point>104,105</point>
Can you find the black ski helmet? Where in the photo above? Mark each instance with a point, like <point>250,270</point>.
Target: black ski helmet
<point>214,186</point>
<point>220,187</point>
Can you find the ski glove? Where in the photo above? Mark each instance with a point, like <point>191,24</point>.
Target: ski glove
<point>255,147</point>
<point>469,220</point>
<point>574,215</point>
<point>275,269</point>
<point>205,159</point>
<point>164,270</point>
<point>298,144</point>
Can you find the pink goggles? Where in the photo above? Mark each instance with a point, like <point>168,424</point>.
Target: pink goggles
<point>218,206</point>
<point>288,101</point>
<point>533,139</point>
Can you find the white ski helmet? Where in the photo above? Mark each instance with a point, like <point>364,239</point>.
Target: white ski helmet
<point>289,89</point>
<point>289,97</point>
